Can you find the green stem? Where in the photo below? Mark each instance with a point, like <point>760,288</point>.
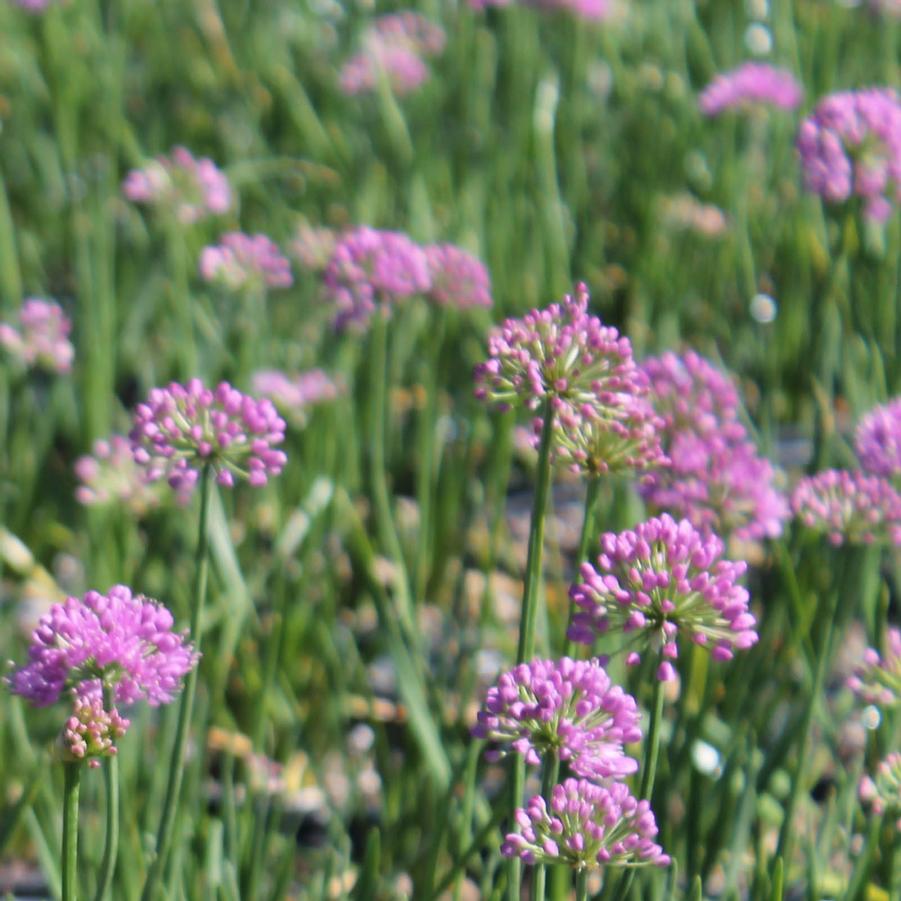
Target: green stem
<point>70,830</point>
<point>786,833</point>
<point>649,771</point>
<point>591,499</point>
<point>378,372</point>
<point>111,784</point>
<point>177,759</point>
<point>864,861</point>
<point>548,781</point>
<point>582,885</point>
<point>526,645</point>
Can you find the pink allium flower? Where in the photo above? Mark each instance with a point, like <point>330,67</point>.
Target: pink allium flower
<point>111,476</point>
<point>715,478</point>
<point>295,394</point>
<point>561,352</point>
<point>190,189</point>
<point>458,278</point>
<point>117,639</point>
<point>41,338</point>
<point>91,731</point>
<point>245,262</point>
<point>849,507</point>
<point>750,83</point>
<point>684,211</point>
<point>851,146</point>
<point>660,580</point>
<point>33,6</point>
<point>586,826</point>
<point>313,246</point>
<point>566,707</point>
<point>878,440</point>
<point>590,10</point>
<point>883,794</point>
<point>372,269</point>
<point>393,47</point>
<point>878,679</point>
<point>182,428</point>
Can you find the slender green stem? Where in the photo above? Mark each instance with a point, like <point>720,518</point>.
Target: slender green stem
<point>591,499</point>
<point>186,706</point>
<point>582,885</point>
<point>526,645</point>
<point>548,781</point>
<point>379,375</point>
<point>70,830</point>
<point>786,833</point>
<point>864,861</point>
<point>652,751</point>
<point>111,785</point>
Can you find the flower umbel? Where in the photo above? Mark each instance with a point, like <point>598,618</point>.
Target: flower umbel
<point>183,428</point>
<point>41,338</point>
<point>294,395</point>
<point>188,188</point>
<point>878,440</point>
<point>878,679</point>
<point>883,793</point>
<point>849,506</point>
<point>586,826</point>
<point>567,707</point>
<point>91,731</point>
<point>245,262</point>
<point>660,580</point>
<point>750,84</point>
<point>458,278</point>
<point>117,639</point>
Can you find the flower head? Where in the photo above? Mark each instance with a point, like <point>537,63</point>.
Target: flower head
<point>91,732</point>
<point>371,269</point>
<point>849,506</point>
<point>589,10</point>
<point>188,188</point>
<point>312,246</point>
<point>878,440</point>
<point>458,278</point>
<point>715,477</point>
<point>750,83</point>
<point>586,826</point>
<point>245,262</point>
<point>183,428</point>
<point>295,394</point>
<point>33,6</point>
<point>110,475</point>
<point>851,145</point>
<point>883,794</point>
<point>878,679</point>
<point>117,639</point>
<point>567,707</point>
<point>41,337</point>
<point>393,48</point>
<point>658,581</point>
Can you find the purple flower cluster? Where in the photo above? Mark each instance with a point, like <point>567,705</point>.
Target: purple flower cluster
<point>849,506</point>
<point>565,707</point>
<point>878,440</point>
<point>586,826</point>
<point>371,269</point>
<point>91,731</point>
<point>715,478</point>
<point>246,262</point>
<point>33,6</point>
<point>589,10</point>
<point>393,47</point>
<point>883,793</point>
<point>295,394</point>
<point>750,84</point>
<point>110,475</point>
<point>659,580</point>
<point>189,189</point>
<point>458,278</point>
<point>183,428</point>
<point>851,146</point>
<point>878,679</point>
<point>118,639</point>
<point>41,337</point>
